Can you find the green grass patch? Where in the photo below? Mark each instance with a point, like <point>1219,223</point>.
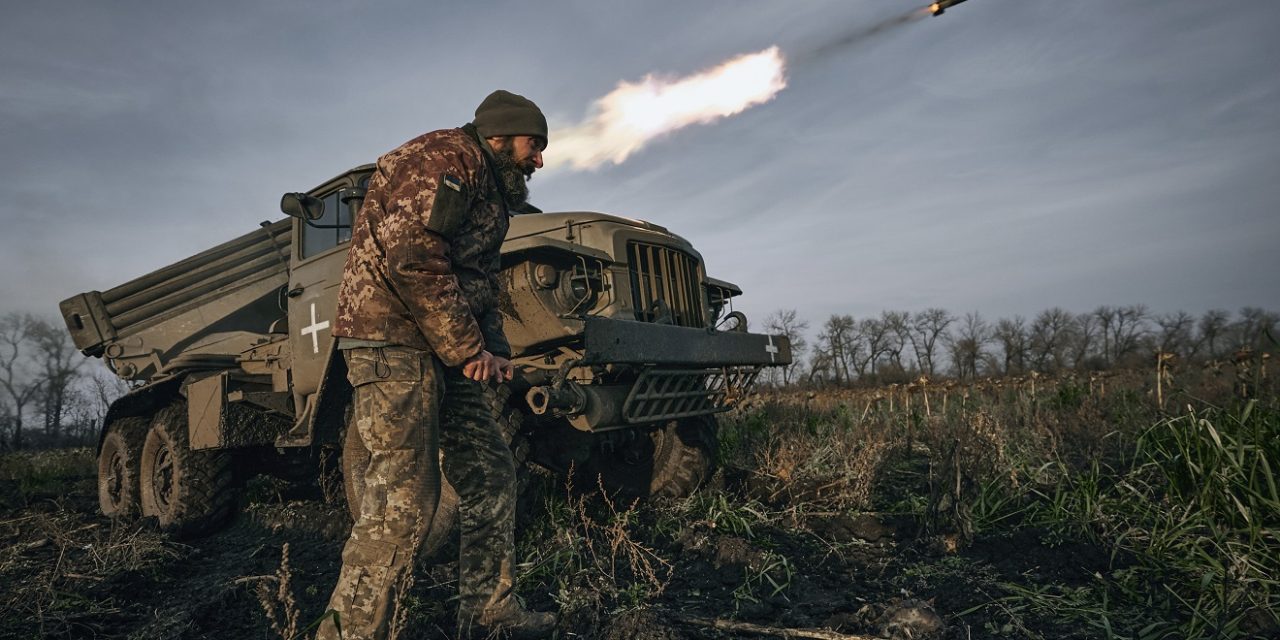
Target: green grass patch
<point>29,476</point>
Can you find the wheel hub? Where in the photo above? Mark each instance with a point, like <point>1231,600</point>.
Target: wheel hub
<point>115,477</point>
<point>162,478</point>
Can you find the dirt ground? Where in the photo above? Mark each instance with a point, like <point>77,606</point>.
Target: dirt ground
<point>67,572</point>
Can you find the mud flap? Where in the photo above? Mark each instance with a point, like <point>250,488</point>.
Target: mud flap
<point>322,418</point>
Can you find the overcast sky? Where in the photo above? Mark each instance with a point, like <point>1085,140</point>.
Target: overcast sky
<point>1008,156</point>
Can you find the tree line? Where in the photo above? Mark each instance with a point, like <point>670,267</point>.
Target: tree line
<point>50,395</point>
<point>897,346</point>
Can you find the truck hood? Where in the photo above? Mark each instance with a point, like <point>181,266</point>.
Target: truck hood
<point>532,224</point>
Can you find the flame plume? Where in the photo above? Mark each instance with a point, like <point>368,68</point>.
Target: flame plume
<point>635,113</point>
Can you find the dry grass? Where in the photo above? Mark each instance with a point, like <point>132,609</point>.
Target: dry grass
<point>1187,498</point>
<point>275,595</point>
<point>48,556</point>
<point>1177,504</point>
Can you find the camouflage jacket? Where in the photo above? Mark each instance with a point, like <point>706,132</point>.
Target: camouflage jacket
<point>422,270</point>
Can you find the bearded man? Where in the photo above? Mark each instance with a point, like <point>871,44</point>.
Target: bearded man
<point>419,328</point>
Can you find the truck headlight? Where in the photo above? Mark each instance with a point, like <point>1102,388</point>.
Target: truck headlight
<point>717,310</point>
<point>717,301</point>
<point>577,289</point>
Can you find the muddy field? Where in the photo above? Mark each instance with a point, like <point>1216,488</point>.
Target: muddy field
<point>990,512</point>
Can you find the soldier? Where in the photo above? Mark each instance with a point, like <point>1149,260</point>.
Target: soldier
<point>419,327</point>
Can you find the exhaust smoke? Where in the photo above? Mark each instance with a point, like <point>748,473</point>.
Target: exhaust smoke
<point>635,113</point>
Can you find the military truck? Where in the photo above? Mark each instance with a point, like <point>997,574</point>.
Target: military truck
<point>625,350</point>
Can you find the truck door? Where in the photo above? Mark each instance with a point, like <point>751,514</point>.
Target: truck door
<point>319,255</point>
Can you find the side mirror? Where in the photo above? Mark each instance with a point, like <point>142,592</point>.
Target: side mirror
<point>301,205</point>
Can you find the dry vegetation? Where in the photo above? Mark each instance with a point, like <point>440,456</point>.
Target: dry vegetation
<point>1136,505</point>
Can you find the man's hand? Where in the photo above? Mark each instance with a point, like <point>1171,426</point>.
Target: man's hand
<point>504,369</point>
<point>485,366</point>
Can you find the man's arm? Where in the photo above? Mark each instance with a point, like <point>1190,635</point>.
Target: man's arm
<point>418,258</point>
<point>494,337</point>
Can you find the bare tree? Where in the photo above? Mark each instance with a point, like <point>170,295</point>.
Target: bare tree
<point>968,345</point>
<point>821,367</point>
<point>1050,336</point>
<point>1254,324</point>
<point>87,402</point>
<point>787,323</point>
<point>877,339</point>
<point>18,385</point>
<point>1175,334</point>
<point>1213,324</point>
<point>59,364</point>
<point>6,422</point>
<point>1127,331</point>
<point>929,325</point>
<point>897,325</point>
<point>839,347</point>
<point>1012,337</point>
<point>1085,334</point>
<point>105,389</point>
<point>1106,322</point>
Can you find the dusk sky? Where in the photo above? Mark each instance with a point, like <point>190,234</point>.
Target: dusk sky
<point>1006,157</point>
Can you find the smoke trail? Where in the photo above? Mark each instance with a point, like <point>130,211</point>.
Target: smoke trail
<point>635,113</point>
<point>858,36</point>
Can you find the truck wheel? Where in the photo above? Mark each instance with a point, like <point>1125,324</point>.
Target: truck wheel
<point>684,456</point>
<point>672,462</point>
<point>189,492</point>
<point>355,459</point>
<point>118,467</point>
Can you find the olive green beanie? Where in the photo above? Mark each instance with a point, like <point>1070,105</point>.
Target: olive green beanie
<point>506,114</point>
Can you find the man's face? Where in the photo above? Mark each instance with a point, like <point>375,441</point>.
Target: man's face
<point>527,152</point>
<point>516,158</point>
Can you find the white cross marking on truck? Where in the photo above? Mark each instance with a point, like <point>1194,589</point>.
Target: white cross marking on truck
<point>315,328</point>
<point>772,350</point>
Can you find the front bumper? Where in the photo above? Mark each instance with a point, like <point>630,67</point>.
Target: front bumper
<point>625,342</point>
<point>683,373</point>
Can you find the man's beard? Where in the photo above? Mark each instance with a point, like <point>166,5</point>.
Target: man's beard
<point>513,179</point>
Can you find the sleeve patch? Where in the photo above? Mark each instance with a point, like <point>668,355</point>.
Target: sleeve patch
<point>449,210</point>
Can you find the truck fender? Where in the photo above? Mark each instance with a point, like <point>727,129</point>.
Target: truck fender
<point>143,401</point>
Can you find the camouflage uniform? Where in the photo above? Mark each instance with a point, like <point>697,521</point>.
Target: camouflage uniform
<point>421,286</point>
<point>478,463</point>
<point>420,273</point>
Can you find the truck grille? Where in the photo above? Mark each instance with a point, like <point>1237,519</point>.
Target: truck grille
<point>664,285</point>
<point>668,394</point>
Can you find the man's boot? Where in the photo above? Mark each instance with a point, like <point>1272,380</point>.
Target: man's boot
<point>514,622</point>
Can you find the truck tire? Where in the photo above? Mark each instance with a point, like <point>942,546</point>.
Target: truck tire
<point>673,461</point>
<point>118,467</point>
<point>355,459</point>
<point>188,492</point>
<point>684,456</point>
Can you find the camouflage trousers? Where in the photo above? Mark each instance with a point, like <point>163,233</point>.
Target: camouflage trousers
<point>408,407</point>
